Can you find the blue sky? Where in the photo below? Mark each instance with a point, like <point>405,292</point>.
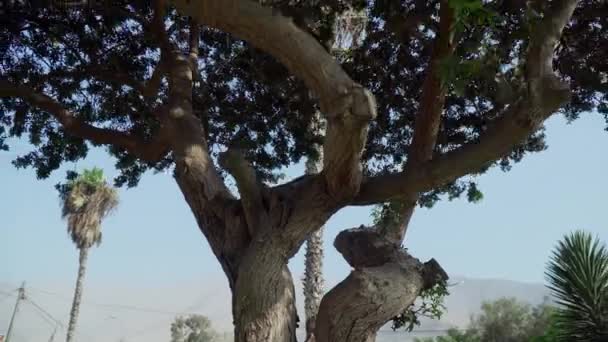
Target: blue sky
<point>152,241</point>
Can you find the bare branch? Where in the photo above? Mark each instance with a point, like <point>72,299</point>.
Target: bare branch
<point>147,150</point>
<point>248,184</point>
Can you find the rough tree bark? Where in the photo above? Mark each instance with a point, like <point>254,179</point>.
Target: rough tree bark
<point>82,268</point>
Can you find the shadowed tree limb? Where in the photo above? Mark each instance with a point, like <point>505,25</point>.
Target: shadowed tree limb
<point>250,188</point>
<point>428,119</point>
<point>150,151</point>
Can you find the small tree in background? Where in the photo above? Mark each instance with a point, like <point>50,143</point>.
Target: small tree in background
<point>86,200</point>
<point>578,278</point>
<point>453,335</point>
<point>504,320</point>
<point>194,328</point>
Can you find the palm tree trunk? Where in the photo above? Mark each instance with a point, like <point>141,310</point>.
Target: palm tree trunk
<point>82,266</point>
<point>313,281</point>
<point>313,264</point>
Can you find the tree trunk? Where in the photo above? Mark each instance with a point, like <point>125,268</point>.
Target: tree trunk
<point>385,281</point>
<point>82,266</point>
<point>253,258</point>
<point>264,297</point>
<point>367,299</point>
<point>313,262</point>
<point>313,281</point>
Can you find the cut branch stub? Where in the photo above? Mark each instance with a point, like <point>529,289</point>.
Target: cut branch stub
<point>250,188</point>
<point>365,247</point>
<point>433,274</point>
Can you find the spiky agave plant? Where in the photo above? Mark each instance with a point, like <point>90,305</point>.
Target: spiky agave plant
<point>86,201</point>
<point>578,279</point>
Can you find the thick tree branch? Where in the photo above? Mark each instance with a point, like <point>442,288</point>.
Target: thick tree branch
<point>146,89</point>
<point>348,106</point>
<point>344,142</point>
<point>195,33</point>
<point>277,35</point>
<point>546,93</point>
<point>433,95</point>
<point>250,188</point>
<point>157,26</point>
<point>116,77</point>
<point>428,119</point>
<point>147,150</point>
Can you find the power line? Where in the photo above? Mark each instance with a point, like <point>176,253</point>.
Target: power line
<point>46,313</point>
<point>6,296</point>
<point>148,329</point>
<point>119,306</point>
<point>46,319</point>
<point>20,297</point>
<point>7,293</point>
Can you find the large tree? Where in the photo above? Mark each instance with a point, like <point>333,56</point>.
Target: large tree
<point>432,93</point>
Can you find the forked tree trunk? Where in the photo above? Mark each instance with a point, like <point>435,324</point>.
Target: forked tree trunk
<point>82,266</point>
<point>254,237</point>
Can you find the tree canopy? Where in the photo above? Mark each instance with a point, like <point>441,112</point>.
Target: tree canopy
<point>92,61</point>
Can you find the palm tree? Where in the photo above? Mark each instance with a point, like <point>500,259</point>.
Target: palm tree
<point>86,201</point>
<point>348,30</point>
<point>313,286</point>
<point>578,279</point>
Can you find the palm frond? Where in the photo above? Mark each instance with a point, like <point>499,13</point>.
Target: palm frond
<point>87,202</point>
<point>578,278</point>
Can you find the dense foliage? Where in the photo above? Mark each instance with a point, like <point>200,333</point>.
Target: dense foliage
<point>86,200</point>
<point>504,320</point>
<point>243,95</point>
<point>193,328</point>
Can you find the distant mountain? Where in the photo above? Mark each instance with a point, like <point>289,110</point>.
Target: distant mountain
<point>111,312</point>
<point>467,296</point>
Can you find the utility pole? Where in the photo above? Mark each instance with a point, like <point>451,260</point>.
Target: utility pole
<point>20,297</point>
<point>53,336</point>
